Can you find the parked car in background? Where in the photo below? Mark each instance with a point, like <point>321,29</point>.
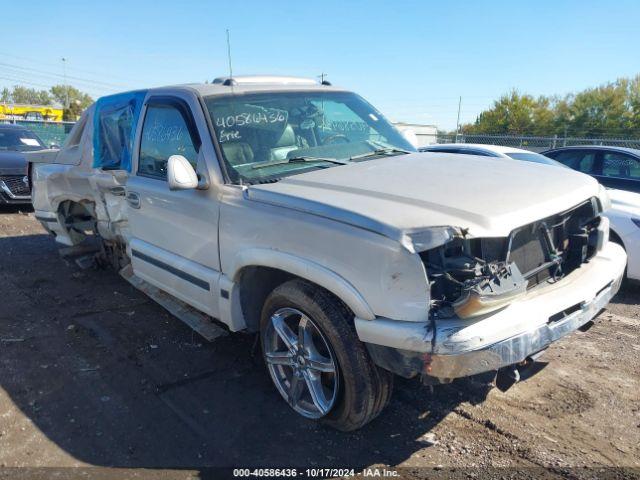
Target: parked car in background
<point>296,210</point>
<point>488,151</point>
<point>14,173</point>
<point>613,167</point>
<point>624,214</point>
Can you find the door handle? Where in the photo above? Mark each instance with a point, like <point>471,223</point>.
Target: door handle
<point>133,199</point>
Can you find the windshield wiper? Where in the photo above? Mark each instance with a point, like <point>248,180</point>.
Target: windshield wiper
<point>381,151</point>
<point>298,160</point>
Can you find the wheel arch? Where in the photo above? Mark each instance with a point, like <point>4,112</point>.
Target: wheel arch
<point>257,272</point>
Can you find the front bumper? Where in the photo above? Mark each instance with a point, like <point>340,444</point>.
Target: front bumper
<point>516,349</point>
<point>455,348</point>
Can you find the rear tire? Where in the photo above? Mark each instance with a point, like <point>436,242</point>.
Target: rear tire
<point>363,390</point>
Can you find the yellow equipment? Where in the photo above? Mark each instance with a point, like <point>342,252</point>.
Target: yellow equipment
<point>46,113</point>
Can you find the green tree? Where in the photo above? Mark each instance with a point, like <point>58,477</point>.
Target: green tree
<point>511,114</point>
<point>610,109</point>
<point>21,94</point>
<point>73,99</point>
<point>5,95</point>
<point>543,116</point>
<point>77,101</point>
<point>601,110</point>
<point>632,119</point>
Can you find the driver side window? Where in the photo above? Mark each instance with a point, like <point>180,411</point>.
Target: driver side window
<point>165,132</point>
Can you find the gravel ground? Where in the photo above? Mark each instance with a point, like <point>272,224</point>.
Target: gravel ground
<point>94,374</point>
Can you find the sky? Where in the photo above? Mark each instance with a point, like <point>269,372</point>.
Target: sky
<point>411,59</point>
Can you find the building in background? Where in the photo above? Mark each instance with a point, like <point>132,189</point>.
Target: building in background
<point>419,135</point>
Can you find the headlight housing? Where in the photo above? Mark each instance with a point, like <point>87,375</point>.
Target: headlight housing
<point>428,238</point>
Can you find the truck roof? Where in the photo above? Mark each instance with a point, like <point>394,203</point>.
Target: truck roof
<point>259,83</point>
<point>242,85</point>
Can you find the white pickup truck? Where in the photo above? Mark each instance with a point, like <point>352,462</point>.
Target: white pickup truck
<point>295,209</point>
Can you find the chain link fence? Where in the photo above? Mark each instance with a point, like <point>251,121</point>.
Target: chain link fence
<point>51,133</point>
<point>536,144</point>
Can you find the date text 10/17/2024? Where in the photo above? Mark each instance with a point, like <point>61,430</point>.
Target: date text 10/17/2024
<point>372,472</point>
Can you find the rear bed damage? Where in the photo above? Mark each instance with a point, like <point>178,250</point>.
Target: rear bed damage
<point>76,202</point>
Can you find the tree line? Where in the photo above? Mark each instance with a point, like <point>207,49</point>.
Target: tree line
<point>73,100</point>
<point>612,109</point>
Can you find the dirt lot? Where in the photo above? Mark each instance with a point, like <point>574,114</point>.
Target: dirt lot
<point>93,373</point>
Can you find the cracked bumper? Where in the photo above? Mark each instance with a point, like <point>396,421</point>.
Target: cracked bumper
<point>459,348</point>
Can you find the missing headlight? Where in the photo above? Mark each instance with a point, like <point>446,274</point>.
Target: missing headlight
<point>471,277</point>
<point>467,286</point>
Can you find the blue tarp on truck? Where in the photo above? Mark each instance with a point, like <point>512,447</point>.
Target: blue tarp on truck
<point>114,123</point>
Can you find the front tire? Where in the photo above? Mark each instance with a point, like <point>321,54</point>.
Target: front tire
<point>316,360</point>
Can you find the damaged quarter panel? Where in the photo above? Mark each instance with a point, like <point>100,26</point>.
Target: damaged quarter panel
<point>348,261</point>
<point>65,179</point>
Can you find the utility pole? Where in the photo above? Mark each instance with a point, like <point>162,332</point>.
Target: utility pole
<point>66,87</point>
<point>458,121</point>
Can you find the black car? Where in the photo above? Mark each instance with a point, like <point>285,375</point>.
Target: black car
<point>614,167</point>
<point>14,179</point>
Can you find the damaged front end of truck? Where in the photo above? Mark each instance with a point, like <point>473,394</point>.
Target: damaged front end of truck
<point>471,277</point>
<point>497,302</point>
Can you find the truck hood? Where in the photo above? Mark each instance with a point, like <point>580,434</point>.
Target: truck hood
<point>395,195</point>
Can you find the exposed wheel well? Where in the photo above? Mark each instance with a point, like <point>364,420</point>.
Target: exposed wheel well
<point>78,218</point>
<point>76,211</point>
<point>255,284</point>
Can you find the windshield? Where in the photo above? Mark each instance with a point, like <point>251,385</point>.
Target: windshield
<point>267,136</point>
<point>534,157</point>
<point>19,140</point>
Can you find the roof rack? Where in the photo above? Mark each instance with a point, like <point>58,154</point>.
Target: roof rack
<point>266,80</point>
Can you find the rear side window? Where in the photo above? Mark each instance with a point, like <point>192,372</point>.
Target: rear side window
<point>114,125</point>
<point>581,160</point>
<point>620,165</point>
<point>165,132</point>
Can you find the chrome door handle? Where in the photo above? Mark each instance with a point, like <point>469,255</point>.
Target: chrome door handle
<point>133,199</point>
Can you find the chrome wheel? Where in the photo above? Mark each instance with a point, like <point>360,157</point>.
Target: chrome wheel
<point>300,362</point>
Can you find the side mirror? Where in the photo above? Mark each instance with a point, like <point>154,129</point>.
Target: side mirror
<point>54,145</point>
<point>180,174</point>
